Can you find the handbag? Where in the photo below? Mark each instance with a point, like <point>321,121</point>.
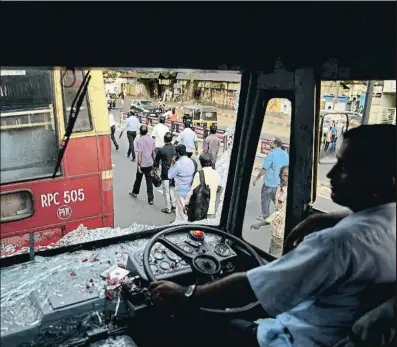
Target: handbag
<point>156,180</point>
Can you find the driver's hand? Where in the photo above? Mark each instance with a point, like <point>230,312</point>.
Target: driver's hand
<point>162,290</point>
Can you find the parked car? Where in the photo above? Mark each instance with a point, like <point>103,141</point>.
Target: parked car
<point>146,108</point>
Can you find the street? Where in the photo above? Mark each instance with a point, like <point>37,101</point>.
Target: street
<point>129,210</point>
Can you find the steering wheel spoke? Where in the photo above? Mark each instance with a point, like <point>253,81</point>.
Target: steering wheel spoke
<point>188,258</point>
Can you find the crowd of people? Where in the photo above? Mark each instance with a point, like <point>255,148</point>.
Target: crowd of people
<point>179,171</point>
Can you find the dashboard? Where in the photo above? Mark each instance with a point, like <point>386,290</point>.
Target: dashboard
<point>165,264</point>
<point>73,297</point>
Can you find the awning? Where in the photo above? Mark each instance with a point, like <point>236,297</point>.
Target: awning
<point>210,76</point>
<point>147,75</point>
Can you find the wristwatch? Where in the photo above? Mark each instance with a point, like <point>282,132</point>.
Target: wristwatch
<point>189,291</point>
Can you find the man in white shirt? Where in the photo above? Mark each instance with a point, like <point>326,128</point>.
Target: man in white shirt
<point>212,179</point>
<point>112,129</point>
<point>158,133</point>
<point>315,293</point>
<point>188,138</point>
<point>132,126</point>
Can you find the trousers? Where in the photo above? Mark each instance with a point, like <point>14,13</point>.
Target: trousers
<point>149,185</point>
<point>267,194</point>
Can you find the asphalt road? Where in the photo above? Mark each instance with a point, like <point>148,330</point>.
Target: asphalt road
<point>129,210</point>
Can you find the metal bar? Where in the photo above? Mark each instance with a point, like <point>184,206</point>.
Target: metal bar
<point>368,102</point>
<point>317,140</point>
<point>24,113</point>
<point>31,246</point>
<point>21,126</point>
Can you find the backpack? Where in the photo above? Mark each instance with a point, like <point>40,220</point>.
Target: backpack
<point>199,201</point>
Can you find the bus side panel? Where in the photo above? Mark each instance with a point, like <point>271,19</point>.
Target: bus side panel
<point>57,202</point>
<point>81,156</point>
<point>104,153</point>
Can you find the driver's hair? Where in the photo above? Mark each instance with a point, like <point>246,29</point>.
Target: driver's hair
<point>366,141</point>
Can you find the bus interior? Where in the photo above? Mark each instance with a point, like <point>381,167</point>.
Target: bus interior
<point>62,296</point>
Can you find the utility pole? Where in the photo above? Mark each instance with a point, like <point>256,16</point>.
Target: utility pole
<point>335,100</point>
<point>368,102</point>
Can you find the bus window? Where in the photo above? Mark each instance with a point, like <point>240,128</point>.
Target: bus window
<point>341,108</point>
<point>264,219</point>
<point>70,84</point>
<point>28,128</point>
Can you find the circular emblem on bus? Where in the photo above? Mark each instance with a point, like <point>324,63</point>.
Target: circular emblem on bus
<point>64,212</point>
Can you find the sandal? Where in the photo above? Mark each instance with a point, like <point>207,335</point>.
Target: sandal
<point>165,210</point>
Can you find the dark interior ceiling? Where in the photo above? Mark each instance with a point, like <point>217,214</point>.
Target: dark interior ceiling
<point>206,35</point>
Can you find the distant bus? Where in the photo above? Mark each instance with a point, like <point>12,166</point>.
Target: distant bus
<point>35,107</point>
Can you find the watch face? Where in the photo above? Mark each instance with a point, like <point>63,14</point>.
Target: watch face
<point>189,291</point>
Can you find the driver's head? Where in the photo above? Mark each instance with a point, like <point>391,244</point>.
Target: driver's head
<point>143,130</point>
<point>360,178</point>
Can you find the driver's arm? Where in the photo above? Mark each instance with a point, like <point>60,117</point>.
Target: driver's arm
<point>231,291</point>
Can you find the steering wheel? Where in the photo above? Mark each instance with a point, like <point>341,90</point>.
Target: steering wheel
<point>205,263</point>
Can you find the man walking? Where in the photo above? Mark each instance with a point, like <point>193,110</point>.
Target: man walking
<point>271,166</point>
<point>112,129</point>
<point>212,144</point>
<point>164,157</point>
<point>159,132</point>
<point>188,138</point>
<point>211,178</point>
<point>145,149</point>
<point>132,125</point>
<point>182,171</point>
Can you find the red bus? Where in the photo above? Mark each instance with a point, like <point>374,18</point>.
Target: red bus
<point>36,209</point>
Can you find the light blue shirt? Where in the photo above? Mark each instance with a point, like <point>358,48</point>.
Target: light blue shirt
<point>274,161</point>
<point>183,172</point>
<point>188,137</point>
<point>317,291</point>
<point>131,124</point>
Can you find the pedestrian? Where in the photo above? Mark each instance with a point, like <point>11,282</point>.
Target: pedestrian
<point>173,117</point>
<point>112,129</point>
<point>122,98</point>
<point>277,218</point>
<point>159,132</point>
<point>132,126</point>
<point>164,157</point>
<point>212,144</point>
<point>145,149</point>
<point>327,139</point>
<point>188,138</point>
<point>212,179</point>
<point>334,137</point>
<point>182,171</point>
<point>270,170</point>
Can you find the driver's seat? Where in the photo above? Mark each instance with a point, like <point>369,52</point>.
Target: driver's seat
<point>377,328</point>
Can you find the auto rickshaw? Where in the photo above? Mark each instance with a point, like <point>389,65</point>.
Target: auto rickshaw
<point>201,115</point>
<point>112,97</point>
